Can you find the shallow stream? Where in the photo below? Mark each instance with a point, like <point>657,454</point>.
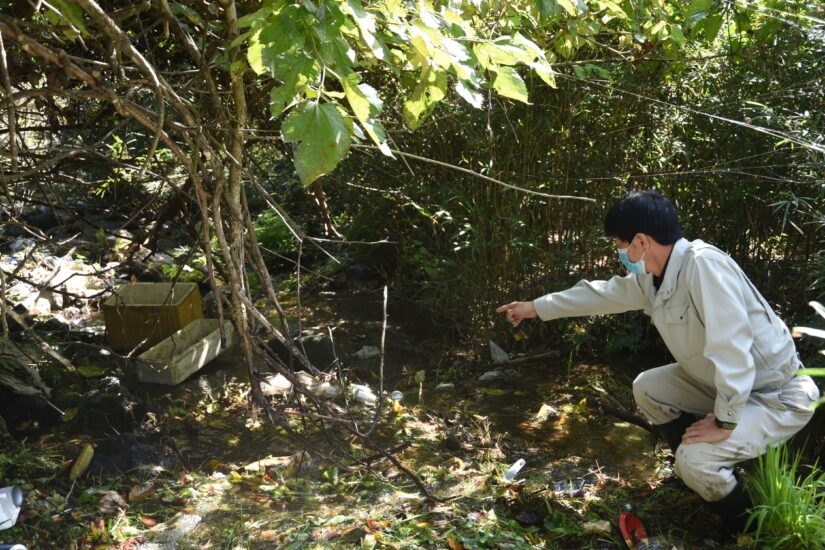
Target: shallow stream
<point>579,432</point>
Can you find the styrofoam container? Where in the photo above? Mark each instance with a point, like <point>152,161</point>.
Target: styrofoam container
<point>147,313</point>
<point>185,352</point>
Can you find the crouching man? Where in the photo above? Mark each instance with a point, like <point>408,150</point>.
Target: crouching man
<point>735,359</point>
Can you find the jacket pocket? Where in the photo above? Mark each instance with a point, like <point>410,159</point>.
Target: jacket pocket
<point>676,314</point>
<point>681,331</point>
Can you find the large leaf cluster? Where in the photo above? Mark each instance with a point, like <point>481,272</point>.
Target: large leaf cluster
<point>322,53</point>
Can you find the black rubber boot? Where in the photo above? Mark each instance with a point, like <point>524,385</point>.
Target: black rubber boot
<point>733,509</point>
<point>672,432</point>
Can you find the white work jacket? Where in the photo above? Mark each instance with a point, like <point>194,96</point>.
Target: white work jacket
<point>715,323</point>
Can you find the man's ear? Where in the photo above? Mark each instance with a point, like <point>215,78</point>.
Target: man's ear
<point>646,241</point>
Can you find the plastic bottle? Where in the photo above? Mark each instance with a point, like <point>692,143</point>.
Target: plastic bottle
<point>514,469</point>
<point>362,394</point>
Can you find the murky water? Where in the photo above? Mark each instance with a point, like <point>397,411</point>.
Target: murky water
<point>580,432</point>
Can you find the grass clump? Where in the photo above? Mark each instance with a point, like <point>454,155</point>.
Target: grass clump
<point>789,502</point>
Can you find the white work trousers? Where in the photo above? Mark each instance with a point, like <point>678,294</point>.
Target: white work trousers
<point>769,418</point>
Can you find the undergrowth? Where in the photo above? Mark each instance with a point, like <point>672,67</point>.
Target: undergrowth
<point>789,504</point>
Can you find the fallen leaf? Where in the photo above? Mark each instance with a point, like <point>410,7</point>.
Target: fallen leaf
<point>97,528</point>
<point>376,525</point>
<point>423,524</point>
<point>494,392</point>
<point>213,465</point>
<point>454,544</point>
<point>82,462</point>
<point>269,535</point>
<point>90,371</point>
<point>69,414</point>
<point>148,521</point>
<point>142,492</point>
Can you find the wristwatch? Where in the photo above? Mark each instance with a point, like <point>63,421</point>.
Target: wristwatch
<point>725,425</point>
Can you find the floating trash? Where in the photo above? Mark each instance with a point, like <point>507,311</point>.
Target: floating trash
<point>571,487</point>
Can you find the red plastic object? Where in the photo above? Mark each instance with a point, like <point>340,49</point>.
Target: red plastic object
<point>632,530</point>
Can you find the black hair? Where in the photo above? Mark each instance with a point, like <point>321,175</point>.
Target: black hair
<point>647,212</point>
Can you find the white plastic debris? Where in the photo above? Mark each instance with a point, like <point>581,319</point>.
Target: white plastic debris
<point>367,352</point>
<point>491,375</point>
<point>11,499</point>
<point>362,394</point>
<point>497,354</point>
<point>326,390</point>
<point>596,527</point>
<point>545,412</point>
<point>513,470</point>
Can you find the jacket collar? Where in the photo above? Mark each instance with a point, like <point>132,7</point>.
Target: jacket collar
<point>674,266</point>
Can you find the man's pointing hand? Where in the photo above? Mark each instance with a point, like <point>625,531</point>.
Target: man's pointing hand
<point>516,311</point>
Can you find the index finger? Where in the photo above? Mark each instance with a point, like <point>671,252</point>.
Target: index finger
<point>506,307</point>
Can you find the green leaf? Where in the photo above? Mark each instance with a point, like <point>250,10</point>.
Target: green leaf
<point>431,88</point>
<point>241,38</point>
<point>256,17</point>
<point>545,72</point>
<point>366,103</point>
<point>612,8</point>
<point>568,6</point>
<point>282,33</point>
<point>366,26</point>
<point>565,46</point>
<point>254,55</point>
<point>90,371</point>
<point>711,26</point>
<point>810,372</point>
<point>697,10</point>
<point>363,99</point>
<point>470,94</point>
<point>67,14</point>
<point>323,137</point>
<point>280,97</point>
<point>295,71</point>
<point>376,132</point>
<point>337,54</point>
<point>509,84</point>
<point>492,54</point>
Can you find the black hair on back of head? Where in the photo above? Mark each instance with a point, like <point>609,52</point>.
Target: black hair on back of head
<point>647,212</point>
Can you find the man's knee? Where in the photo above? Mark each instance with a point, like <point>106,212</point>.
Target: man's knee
<point>693,466</point>
<point>641,386</point>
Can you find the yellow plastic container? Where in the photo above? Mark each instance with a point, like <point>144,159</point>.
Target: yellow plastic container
<point>146,313</point>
